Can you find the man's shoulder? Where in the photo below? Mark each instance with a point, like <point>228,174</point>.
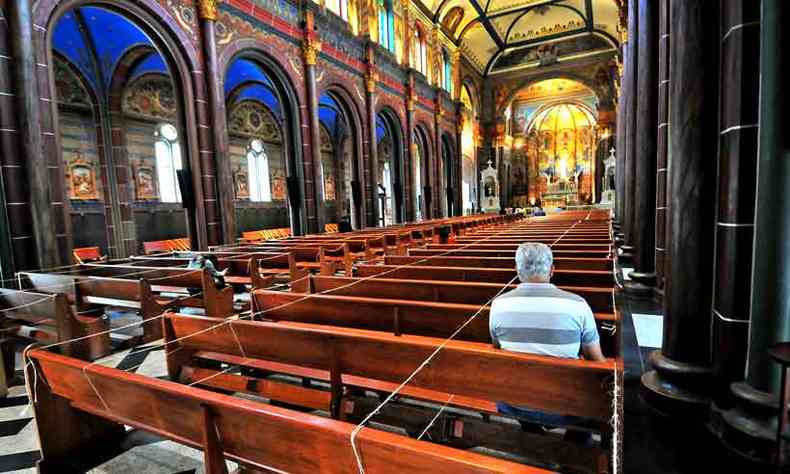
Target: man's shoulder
<point>548,291</point>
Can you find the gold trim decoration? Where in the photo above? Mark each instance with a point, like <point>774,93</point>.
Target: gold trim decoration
<point>207,9</point>
<point>310,48</point>
<point>370,81</point>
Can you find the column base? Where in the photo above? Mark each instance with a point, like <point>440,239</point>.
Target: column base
<point>676,388</point>
<point>640,284</point>
<point>626,256</point>
<point>748,429</point>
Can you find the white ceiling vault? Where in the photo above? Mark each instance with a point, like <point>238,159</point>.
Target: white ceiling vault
<point>499,35</point>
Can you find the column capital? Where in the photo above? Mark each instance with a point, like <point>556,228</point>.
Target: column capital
<point>371,78</point>
<point>310,48</point>
<point>207,9</point>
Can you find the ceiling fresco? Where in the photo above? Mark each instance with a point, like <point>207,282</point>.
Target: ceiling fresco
<point>496,35</point>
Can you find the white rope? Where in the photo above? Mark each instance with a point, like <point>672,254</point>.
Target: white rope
<point>433,420</point>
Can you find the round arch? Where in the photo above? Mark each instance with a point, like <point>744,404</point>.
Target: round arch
<point>422,172</point>
<point>387,118</point>
<point>590,83</point>
<point>352,116</point>
<point>447,175</point>
<point>286,94</point>
<point>179,56</point>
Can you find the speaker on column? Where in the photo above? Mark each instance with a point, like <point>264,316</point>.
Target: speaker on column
<point>356,192</point>
<point>293,190</point>
<point>185,187</point>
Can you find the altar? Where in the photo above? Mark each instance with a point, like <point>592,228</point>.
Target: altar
<point>560,194</point>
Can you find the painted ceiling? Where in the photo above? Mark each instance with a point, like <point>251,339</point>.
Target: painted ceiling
<point>498,35</point>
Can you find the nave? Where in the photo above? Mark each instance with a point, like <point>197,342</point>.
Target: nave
<point>302,344</point>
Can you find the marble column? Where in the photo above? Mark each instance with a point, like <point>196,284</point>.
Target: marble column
<point>310,48</point>
<point>630,131</point>
<point>681,379</point>
<point>458,176</point>
<point>643,232</point>
<point>622,104</point>
<point>44,233</point>
<point>662,140</point>
<point>216,105</point>
<point>749,428</point>
<point>738,137</point>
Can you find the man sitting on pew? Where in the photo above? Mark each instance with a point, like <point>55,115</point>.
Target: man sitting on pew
<point>539,318</point>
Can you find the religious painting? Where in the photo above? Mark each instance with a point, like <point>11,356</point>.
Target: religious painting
<point>278,185</point>
<point>251,118</point>
<point>241,183</point>
<point>329,188</point>
<point>145,184</point>
<point>82,179</point>
<point>151,96</point>
<point>453,18</point>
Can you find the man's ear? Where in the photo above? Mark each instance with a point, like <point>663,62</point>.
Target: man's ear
<point>552,271</point>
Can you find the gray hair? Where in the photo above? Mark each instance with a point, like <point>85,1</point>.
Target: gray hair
<point>534,261</point>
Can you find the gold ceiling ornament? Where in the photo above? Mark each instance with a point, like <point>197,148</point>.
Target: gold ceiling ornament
<point>310,48</point>
<point>207,9</point>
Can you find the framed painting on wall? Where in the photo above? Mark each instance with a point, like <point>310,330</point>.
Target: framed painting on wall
<point>144,184</point>
<point>241,183</point>
<point>82,179</point>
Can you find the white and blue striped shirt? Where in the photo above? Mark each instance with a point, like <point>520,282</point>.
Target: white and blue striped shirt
<point>539,318</point>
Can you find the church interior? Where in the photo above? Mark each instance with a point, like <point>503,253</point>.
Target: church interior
<point>270,236</point>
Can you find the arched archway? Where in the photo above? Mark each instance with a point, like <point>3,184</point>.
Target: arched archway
<point>263,143</point>
<point>144,128</point>
<point>389,182</point>
<point>447,173</point>
<point>341,120</point>
<point>421,174</point>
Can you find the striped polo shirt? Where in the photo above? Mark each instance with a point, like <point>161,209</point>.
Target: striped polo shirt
<point>540,318</point>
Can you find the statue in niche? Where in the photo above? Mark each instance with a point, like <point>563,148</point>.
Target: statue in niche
<point>453,19</point>
<point>82,179</point>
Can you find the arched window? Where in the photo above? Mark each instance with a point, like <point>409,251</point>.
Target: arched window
<point>168,162</point>
<point>447,72</point>
<point>386,25</point>
<point>339,7</point>
<point>258,172</point>
<point>420,52</point>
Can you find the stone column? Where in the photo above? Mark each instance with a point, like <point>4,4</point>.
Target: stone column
<point>459,168</point>
<point>643,231</point>
<point>738,136</point>
<point>44,234</point>
<point>750,427</point>
<point>310,49</point>
<point>622,103</point>
<point>631,68</point>
<point>216,104</point>
<point>370,95</point>
<point>662,164</point>
<point>681,379</point>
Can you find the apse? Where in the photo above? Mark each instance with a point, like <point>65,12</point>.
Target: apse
<point>553,139</point>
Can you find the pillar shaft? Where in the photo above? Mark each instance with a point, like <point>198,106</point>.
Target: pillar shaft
<point>662,141</point>
<point>370,96</point>
<point>216,102</point>
<point>643,231</point>
<point>630,121</point>
<point>738,136</point>
<point>22,45</point>
<point>681,378</point>
<point>770,306</point>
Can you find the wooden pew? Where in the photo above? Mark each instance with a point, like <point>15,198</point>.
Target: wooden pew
<point>393,315</point>
<point>462,292</point>
<point>560,263</point>
<point>48,319</point>
<point>567,386</point>
<point>590,278</point>
<point>511,249</point>
<point>88,254</point>
<point>216,302</point>
<point>73,420</point>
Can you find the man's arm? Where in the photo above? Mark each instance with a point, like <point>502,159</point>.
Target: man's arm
<point>592,351</point>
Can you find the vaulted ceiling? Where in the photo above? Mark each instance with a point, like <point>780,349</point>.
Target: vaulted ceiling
<point>499,35</point>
